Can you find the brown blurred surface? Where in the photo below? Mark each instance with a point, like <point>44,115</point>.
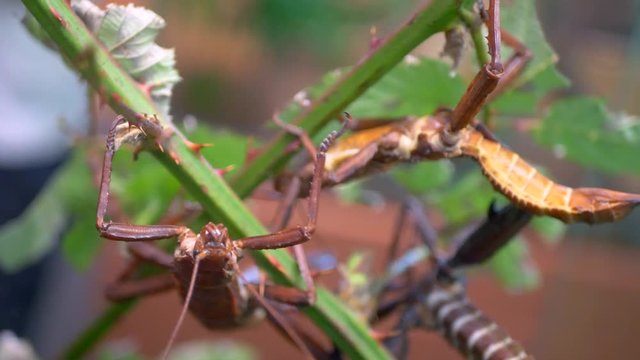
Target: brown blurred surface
<point>585,309</point>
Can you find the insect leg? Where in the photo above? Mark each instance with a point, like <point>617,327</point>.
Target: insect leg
<point>152,254</point>
<point>302,135</point>
<point>487,78</point>
<point>499,227</point>
<point>124,232</point>
<point>350,166</point>
<point>398,266</point>
<point>284,212</point>
<point>127,287</point>
<point>285,208</point>
<point>514,66</point>
<point>300,234</point>
<point>398,343</point>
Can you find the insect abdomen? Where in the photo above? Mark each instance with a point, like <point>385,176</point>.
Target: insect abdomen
<point>468,329</point>
<point>528,188</point>
<point>218,301</point>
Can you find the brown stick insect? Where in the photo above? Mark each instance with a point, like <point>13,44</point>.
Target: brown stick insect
<point>205,264</point>
<point>437,301</point>
<point>455,133</point>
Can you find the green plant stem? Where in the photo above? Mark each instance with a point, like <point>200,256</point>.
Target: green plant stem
<point>100,326</point>
<point>88,57</point>
<point>474,25</point>
<point>432,17</point>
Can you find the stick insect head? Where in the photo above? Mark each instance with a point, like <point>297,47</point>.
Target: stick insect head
<point>214,236</point>
<point>212,239</point>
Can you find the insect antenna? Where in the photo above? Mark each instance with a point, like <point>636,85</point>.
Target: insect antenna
<point>185,307</point>
<point>278,318</point>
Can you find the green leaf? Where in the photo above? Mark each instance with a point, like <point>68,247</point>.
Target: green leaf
<point>549,79</point>
<point>354,287</point>
<point>128,33</point>
<point>520,18</point>
<point>200,350</point>
<point>228,148</point>
<point>524,101</point>
<point>416,86</point>
<point>423,177</point>
<point>550,229</point>
<point>355,269</point>
<point>116,352</point>
<point>467,199</point>
<point>75,186</point>
<point>516,102</point>
<point>117,355</point>
<point>26,239</point>
<point>66,195</point>
<point>318,26</point>
<point>581,130</point>
<point>540,75</point>
<point>81,243</point>
<point>142,186</point>
<point>512,265</point>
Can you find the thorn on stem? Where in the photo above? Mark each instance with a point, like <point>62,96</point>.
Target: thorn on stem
<point>195,147</point>
<point>146,88</point>
<point>173,155</point>
<point>224,170</point>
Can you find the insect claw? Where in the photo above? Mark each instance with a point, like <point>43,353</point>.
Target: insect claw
<point>347,123</point>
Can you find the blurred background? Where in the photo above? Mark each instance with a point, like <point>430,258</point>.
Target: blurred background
<point>243,60</point>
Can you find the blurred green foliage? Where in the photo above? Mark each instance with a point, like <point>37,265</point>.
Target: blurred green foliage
<point>513,266</point>
<point>318,26</point>
<point>583,131</point>
<point>193,350</point>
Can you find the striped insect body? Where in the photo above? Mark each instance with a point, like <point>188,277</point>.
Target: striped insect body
<point>466,328</point>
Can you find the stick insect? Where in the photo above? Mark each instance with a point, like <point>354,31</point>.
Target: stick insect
<point>436,300</point>
<point>205,264</point>
<point>455,133</point>
<point>439,302</point>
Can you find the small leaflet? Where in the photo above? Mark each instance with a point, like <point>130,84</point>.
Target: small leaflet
<point>128,33</point>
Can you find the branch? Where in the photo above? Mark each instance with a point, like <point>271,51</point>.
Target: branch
<point>432,17</point>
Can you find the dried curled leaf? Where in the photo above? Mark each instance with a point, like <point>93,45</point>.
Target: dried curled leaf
<point>129,32</point>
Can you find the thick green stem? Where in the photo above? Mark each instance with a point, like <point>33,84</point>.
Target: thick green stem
<point>433,17</point>
<point>117,89</point>
<point>474,25</point>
